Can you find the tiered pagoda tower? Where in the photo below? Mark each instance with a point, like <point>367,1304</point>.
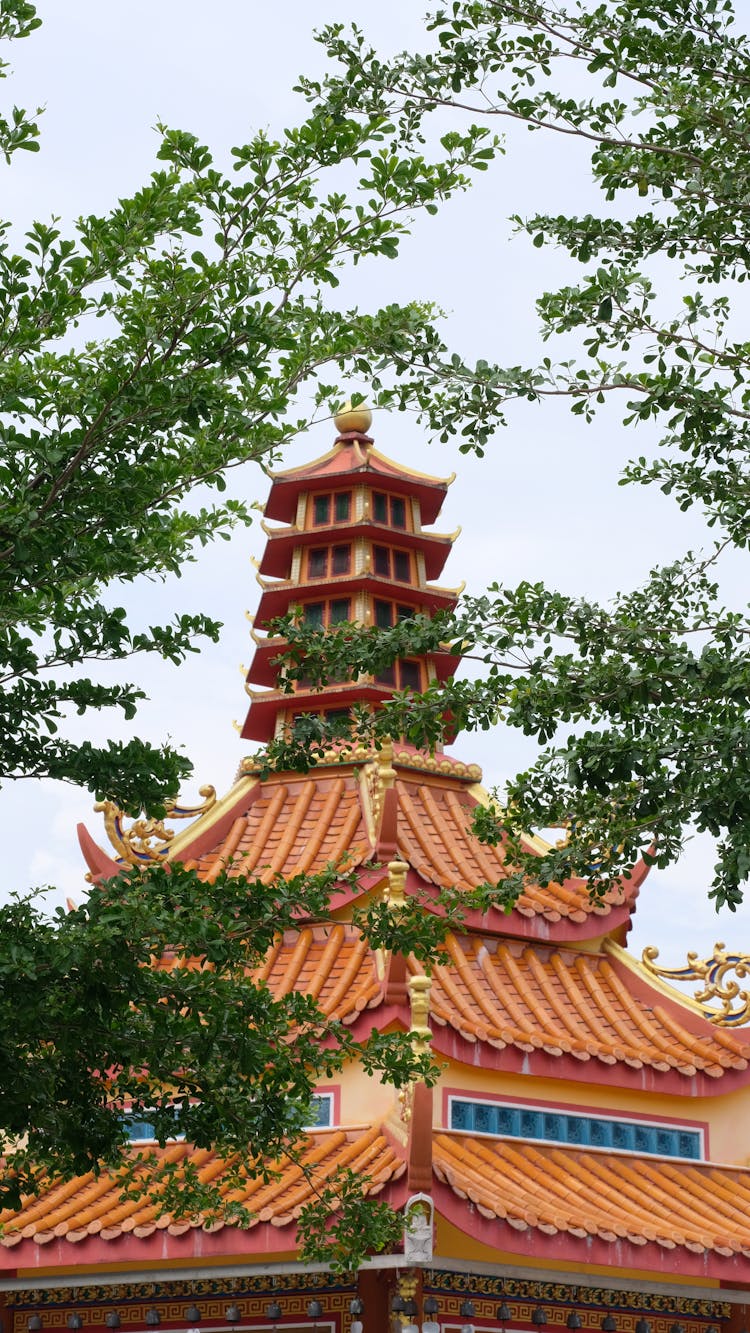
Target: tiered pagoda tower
<point>352,548</point>
<point>584,1154</point>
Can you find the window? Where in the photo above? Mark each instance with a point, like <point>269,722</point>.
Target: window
<point>317,562</point>
<point>339,611</point>
<point>401,566</point>
<point>410,675</point>
<point>321,1111</point>
<point>382,561</point>
<point>340,559</point>
<point>334,612</point>
<point>338,505</point>
<point>392,564</point>
<point>140,1127</point>
<point>389,509</point>
<point>326,561</point>
<point>337,720</point>
<point>403,675</point>
<point>342,507</point>
<point>583,1130</point>
<point>387,613</point>
<point>321,510</point>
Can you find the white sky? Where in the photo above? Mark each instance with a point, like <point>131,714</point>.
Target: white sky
<point>543,504</point>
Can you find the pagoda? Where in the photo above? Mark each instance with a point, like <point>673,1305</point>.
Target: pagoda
<point>582,1160</point>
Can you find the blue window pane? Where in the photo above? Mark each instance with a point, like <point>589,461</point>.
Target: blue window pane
<point>484,1120</point>
<point>689,1145</point>
<point>461,1115</point>
<point>576,1129</point>
<point>139,1129</point>
<point>622,1135</point>
<point>321,1109</point>
<point>552,1126</point>
<point>643,1139</point>
<point>599,1133</point>
<point>532,1124</point>
<point>525,1122</point>
<point>666,1142</point>
<point>508,1121</point>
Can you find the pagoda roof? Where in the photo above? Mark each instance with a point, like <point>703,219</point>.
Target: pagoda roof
<point>434,546</point>
<point>263,672</point>
<point>351,459</point>
<point>292,823</point>
<point>90,1208</point>
<point>644,1204</point>
<point>562,1012</point>
<point>584,1009</point>
<point>578,1205</point>
<point>278,597</point>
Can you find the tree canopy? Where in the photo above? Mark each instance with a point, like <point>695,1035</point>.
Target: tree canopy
<point>147,352</point>
<point>144,354</point>
<point>213,323</point>
<point>639,705</point>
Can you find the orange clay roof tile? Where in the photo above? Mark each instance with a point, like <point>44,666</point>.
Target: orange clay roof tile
<point>292,827</point>
<point>333,963</point>
<point>565,1001</point>
<point>86,1207</point>
<point>435,838</point>
<point>532,998</point>
<point>300,823</point>
<point>590,1193</point>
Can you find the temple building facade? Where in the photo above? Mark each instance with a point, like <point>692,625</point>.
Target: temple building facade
<point>582,1160</point>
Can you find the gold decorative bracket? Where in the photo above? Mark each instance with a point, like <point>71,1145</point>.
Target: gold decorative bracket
<point>419,1031</point>
<point>148,839</point>
<point>720,998</point>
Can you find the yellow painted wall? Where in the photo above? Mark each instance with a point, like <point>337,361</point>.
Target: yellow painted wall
<point>364,1100</point>
<point>727,1115</point>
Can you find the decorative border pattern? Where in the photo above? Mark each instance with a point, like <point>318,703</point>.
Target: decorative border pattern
<point>522,1295</point>
<point>131,1294</point>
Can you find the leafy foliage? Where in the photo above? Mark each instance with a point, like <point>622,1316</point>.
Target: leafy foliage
<point>18,18</point>
<point>145,999</point>
<point>640,705</point>
<point>146,353</point>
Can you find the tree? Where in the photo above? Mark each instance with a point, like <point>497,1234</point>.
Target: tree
<point>640,705</point>
<point>100,1012</point>
<point>152,350</point>
<point>143,356</point>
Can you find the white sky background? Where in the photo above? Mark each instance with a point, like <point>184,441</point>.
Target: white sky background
<point>543,504</point>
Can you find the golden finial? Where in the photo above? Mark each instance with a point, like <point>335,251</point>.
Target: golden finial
<point>353,419</point>
<point>386,771</point>
<point>420,1033</point>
